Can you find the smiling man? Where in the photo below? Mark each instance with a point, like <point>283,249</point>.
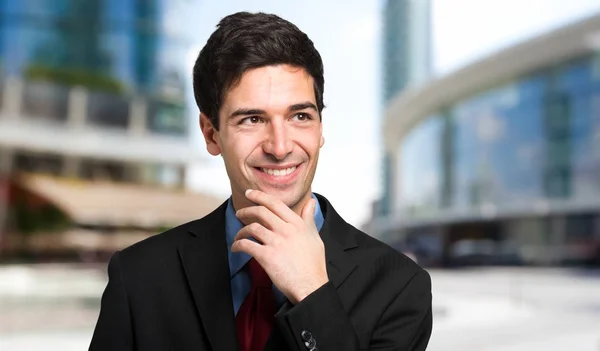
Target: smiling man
<point>274,267</point>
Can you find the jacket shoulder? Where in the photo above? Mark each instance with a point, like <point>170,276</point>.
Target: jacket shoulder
<point>170,238</point>
<point>161,244</point>
<point>382,256</point>
<point>366,250</point>
<point>160,241</point>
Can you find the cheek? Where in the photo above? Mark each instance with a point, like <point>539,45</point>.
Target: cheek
<point>312,142</point>
<point>240,149</point>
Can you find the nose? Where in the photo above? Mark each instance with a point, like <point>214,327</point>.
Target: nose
<point>278,142</point>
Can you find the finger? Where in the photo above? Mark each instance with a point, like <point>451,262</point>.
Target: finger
<point>308,211</point>
<point>255,230</point>
<point>274,204</point>
<point>248,246</point>
<point>262,215</point>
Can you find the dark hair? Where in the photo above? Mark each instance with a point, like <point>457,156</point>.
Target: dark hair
<point>244,41</point>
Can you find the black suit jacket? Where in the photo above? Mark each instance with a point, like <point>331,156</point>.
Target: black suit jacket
<point>172,292</point>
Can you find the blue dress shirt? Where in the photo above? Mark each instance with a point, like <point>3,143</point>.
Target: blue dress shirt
<point>240,279</point>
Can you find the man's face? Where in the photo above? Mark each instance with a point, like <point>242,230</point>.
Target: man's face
<point>270,134</point>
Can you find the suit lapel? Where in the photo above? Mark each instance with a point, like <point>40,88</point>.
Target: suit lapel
<point>337,239</point>
<point>204,258</point>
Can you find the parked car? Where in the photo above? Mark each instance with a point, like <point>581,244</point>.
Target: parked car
<point>483,252</point>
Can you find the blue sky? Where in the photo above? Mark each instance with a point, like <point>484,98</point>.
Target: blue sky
<point>346,32</point>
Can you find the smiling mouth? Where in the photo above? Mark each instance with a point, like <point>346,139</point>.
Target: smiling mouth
<point>277,172</point>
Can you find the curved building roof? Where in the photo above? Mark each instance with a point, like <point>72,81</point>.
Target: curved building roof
<point>411,106</point>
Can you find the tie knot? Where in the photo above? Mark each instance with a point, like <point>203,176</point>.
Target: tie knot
<point>260,278</point>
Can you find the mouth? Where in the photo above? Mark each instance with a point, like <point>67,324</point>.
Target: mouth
<point>278,172</point>
<point>279,175</point>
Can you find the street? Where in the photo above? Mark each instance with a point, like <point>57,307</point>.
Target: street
<point>516,309</point>
<point>489,309</point>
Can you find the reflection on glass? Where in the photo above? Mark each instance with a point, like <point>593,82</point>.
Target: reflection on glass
<point>45,101</point>
<point>2,82</point>
<point>108,110</point>
<point>166,117</point>
<point>532,139</point>
<point>420,164</point>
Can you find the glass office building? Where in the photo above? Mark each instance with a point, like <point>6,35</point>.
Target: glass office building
<point>505,150</point>
<point>537,137</point>
<point>94,132</point>
<point>108,46</point>
<point>94,89</point>
<point>406,62</point>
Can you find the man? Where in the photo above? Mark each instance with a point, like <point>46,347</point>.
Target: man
<point>274,267</point>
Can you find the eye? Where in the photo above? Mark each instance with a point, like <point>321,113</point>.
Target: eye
<point>302,116</point>
<point>250,120</point>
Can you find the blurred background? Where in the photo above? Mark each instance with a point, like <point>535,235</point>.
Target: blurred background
<point>464,133</point>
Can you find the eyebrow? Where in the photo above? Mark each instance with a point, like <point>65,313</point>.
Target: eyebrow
<point>255,111</point>
<point>302,106</point>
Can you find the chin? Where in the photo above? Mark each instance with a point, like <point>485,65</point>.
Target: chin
<point>289,197</point>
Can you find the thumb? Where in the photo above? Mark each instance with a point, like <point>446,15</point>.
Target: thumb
<point>308,211</point>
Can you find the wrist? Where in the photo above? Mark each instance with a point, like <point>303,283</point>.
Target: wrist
<point>301,294</point>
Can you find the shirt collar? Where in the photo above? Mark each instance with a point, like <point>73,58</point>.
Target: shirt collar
<point>233,225</point>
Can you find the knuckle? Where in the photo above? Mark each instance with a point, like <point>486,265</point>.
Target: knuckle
<point>269,255</point>
<point>275,240</point>
<point>254,227</point>
<point>240,234</point>
<point>289,228</point>
<point>262,211</point>
<point>237,245</point>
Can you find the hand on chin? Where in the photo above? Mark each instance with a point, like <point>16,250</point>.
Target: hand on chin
<point>288,245</point>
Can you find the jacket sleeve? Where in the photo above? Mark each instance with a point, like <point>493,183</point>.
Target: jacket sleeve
<point>320,322</point>
<point>113,329</point>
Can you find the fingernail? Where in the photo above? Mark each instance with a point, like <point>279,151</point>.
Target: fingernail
<point>248,191</point>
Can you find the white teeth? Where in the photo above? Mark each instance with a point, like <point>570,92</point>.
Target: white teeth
<point>279,172</point>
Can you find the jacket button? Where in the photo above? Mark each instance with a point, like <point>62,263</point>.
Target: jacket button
<point>310,344</point>
<point>306,335</point>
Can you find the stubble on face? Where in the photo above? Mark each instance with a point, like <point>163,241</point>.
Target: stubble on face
<point>269,121</point>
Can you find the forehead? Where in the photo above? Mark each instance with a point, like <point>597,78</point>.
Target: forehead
<point>270,87</point>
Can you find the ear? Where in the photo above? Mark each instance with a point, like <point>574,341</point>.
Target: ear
<point>322,137</point>
<point>211,135</point>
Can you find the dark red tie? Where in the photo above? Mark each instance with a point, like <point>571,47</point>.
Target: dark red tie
<point>256,316</point>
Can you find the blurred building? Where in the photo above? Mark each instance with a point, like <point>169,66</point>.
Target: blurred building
<point>499,162</point>
<point>91,98</point>
<point>406,62</point>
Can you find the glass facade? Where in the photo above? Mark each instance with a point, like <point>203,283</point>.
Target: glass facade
<point>535,138</point>
<point>406,45</point>
<point>406,61</point>
<point>421,183</point>
<point>107,46</point>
